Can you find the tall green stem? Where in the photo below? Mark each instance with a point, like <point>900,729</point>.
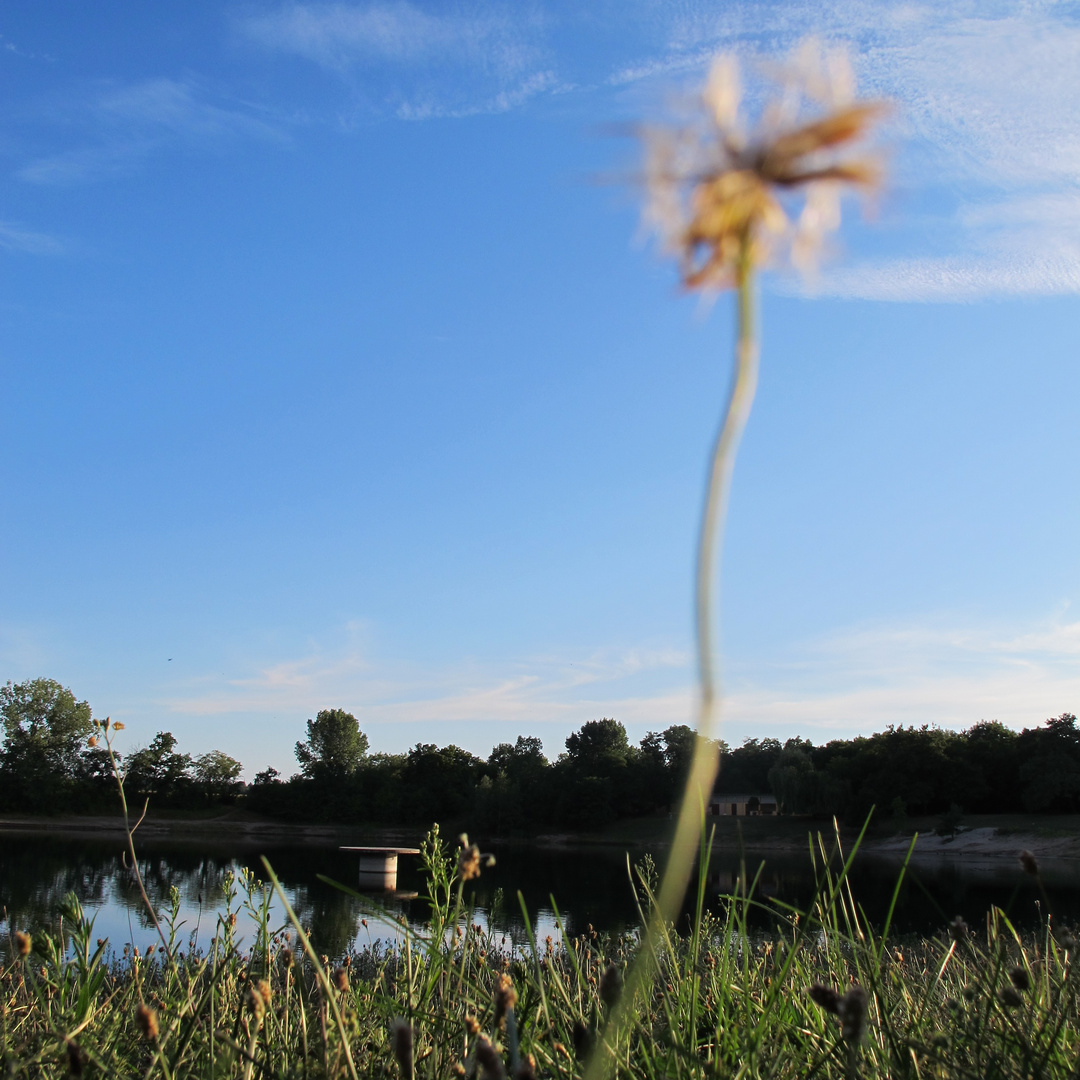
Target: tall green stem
<point>706,759</point>
<point>704,764</point>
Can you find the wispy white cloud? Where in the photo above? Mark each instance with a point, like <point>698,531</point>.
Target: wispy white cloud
<point>123,125</point>
<point>16,238</point>
<point>460,61</point>
<point>936,671</point>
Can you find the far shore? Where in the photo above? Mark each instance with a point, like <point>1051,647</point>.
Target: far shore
<point>982,839</point>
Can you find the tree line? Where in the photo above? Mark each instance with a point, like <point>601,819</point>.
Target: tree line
<point>48,765</point>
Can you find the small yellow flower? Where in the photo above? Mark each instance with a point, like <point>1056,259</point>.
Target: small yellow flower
<point>118,726</point>
<point>717,196</point>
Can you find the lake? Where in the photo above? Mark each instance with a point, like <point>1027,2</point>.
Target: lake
<point>590,886</point>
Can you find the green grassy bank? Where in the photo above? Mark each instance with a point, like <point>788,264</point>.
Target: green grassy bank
<point>811,993</point>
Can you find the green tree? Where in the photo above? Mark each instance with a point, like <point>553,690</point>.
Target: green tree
<point>599,748</point>
<point>45,740</point>
<point>218,774</point>
<point>334,748</point>
<point>158,769</point>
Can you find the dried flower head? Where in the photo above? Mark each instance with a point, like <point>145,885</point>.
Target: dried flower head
<point>852,1011</point>
<point>286,955</point>
<point>505,997</point>
<point>117,726</point>
<point>526,1069</point>
<point>77,1058</point>
<point>146,1020</point>
<point>468,863</point>
<point>92,741</point>
<point>717,195</point>
<point>401,1043</point>
<point>259,1000</point>
<point>611,983</point>
<point>1030,866</point>
<point>487,1054</point>
<point>959,930</point>
<point>341,979</point>
<point>583,1040</point>
<point>23,943</point>
<point>825,997</point>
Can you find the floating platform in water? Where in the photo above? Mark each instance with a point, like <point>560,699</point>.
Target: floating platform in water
<point>379,865</point>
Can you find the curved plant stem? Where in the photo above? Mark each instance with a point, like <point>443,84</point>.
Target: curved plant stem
<point>706,758</point>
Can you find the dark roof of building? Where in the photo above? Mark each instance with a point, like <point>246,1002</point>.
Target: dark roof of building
<point>725,796</point>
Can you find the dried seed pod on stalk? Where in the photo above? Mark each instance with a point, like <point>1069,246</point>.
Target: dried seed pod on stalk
<point>722,201</point>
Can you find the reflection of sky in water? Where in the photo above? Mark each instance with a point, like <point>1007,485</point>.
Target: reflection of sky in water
<point>590,887</point>
<point>35,876</point>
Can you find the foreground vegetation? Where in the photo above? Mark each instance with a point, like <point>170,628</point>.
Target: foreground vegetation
<point>754,991</point>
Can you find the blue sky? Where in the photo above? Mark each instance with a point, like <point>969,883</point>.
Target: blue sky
<point>331,376</point>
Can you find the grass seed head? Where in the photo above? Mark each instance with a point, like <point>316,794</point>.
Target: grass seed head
<point>401,1042</point>
<point>490,1060</point>
<point>825,997</point>
<point>1020,978</point>
<point>259,999</point>
<point>341,979</point>
<point>611,984</point>
<point>526,1069</point>
<point>23,943</point>
<point>959,930</point>
<point>852,1010</point>
<point>505,997</point>
<point>1029,864</point>
<point>77,1059</point>
<point>146,1020</point>
<point>1010,997</point>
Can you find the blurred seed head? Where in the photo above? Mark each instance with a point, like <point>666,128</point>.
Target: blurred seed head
<point>825,997</point>
<point>490,1062</point>
<point>717,194</point>
<point>341,979</point>
<point>852,1010</point>
<point>259,1000</point>
<point>505,997</point>
<point>146,1020</point>
<point>1010,997</point>
<point>611,983</point>
<point>583,1040</point>
<point>1020,978</point>
<point>526,1069</point>
<point>959,930</point>
<point>77,1059</point>
<point>1029,864</point>
<point>401,1043</point>
<point>23,943</point>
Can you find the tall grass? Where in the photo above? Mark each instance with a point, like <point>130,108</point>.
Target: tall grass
<point>753,989</point>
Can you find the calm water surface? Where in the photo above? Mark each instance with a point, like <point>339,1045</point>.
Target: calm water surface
<point>588,886</point>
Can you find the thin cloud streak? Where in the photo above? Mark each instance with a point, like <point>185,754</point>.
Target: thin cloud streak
<point>15,238</point>
<point>126,124</point>
<point>856,682</point>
